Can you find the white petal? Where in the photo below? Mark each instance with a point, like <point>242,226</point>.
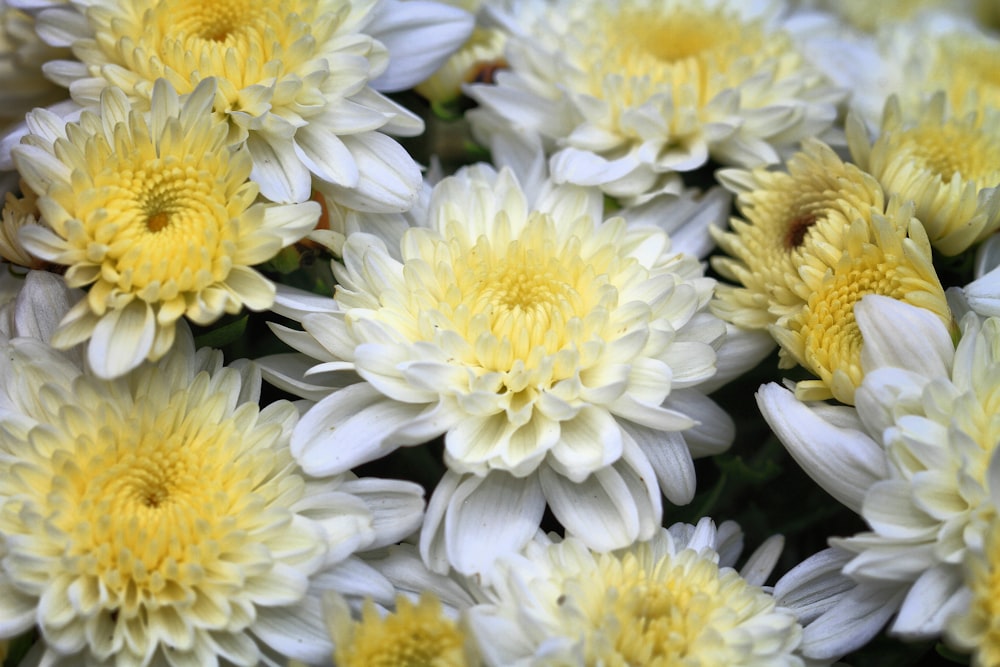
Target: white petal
<point>278,170</point>
<point>600,510</point>
<point>669,457</point>
<point>419,36</point>
<point>326,155</point>
<point>899,335</point>
<point>297,631</point>
<point>41,304</point>
<point>842,461</point>
<point>389,180</point>
<point>931,601</point>
<point>295,303</point>
<point>356,577</point>
<point>347,428</point>
<point>853,621</point>
<point>762,561</point>
<point>714,431</point>
<point>397,507</point>
<point>488,518</point>
<point>122,339</point>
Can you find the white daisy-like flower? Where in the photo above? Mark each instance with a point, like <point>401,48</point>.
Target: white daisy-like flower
<point>626,94</point>
<point>156,215</point>
<point>22,54</point>
<point>558,351</point>
<point>931,53</point>
<point>976,629</point>
<point>674,599</point>
<point>948,165</point>
<point>912,459</point>
<point>159,519</point>
<point>299,80</point>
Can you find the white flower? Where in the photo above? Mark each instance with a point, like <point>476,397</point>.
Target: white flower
<point>160,519</point>
<point>298,79</point>
<point>912,459</point>
<point>156,216</point>
<point>558,352</point>
<point>674,599</point>
<point>627,94</point>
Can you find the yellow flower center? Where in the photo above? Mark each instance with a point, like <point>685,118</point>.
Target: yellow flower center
<point>832,337</point>
<point>692,53</point>
<point>537,294</point>
<point>163,222</point>
<point>240,42</point>
<point>151,506</point>
<point>950,149</point>
<point>217,21</point>
<point>418,635</point>
<point>658,614</point>
<point>969,70</point>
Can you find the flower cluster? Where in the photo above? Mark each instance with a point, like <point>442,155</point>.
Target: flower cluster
<point>425,332</point>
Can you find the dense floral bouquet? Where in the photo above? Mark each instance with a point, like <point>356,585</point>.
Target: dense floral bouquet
<point>427,332</point>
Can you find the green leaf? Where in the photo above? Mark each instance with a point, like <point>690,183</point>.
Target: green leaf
<point>222,335</point>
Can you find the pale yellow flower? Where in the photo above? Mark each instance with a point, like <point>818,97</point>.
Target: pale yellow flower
<point>948,165</point>
<point>298,80</point>
<point>18,212</point>
<point>157,215</point>
<point>410,635</point>
<point>890,256</point>
<point>787,218</point>
<point>159,518</point>
<point>671,600</point>
<point>627,94</point>
<point>977,628</point>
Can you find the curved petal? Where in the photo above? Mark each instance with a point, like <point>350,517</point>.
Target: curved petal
<point>844,462</point>
<point>490,517</point>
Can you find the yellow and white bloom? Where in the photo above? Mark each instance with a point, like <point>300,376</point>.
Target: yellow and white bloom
<point>674,599</point>
<point>156,215</point>
<point>789,219</point>
<point>949,166</point>
<point>23,86</point>
<point>627,94</point>
<point>298,80</point>
<point>931,53</point>
<point>160,518</point>
<point>913,460</point>
<point>889,256</point>
<point>976,629</point>
<point>560,354</point>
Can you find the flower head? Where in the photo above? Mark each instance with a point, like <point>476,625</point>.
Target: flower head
<point>177,527</point>
<point>949,167</point>
<point>629,93</point>
<point>294,80</point>
<point>412,634</point>
<point>977,628</point>
<point>672,599</point>
<point>889,256</point>
<point>156,215</point>
<point>914,459</point>
<point>558,352</point>
<point>788,219</point>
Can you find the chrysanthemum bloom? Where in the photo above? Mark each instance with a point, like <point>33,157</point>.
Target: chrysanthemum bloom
<point>789,217</point>
<point>156,215</point>
<point>23,86</point>
<point>912,460</point>
<point>889,256</point>
<point>558,352</point>
<point>18,211</point>
<point>160,518</point>
<point>871,16</point>
<point>674,599</point>
<point>297,79</point>
<point>949,166</point>
<point>420,634</point>
<point>977,628</point>
<point>626,94</point>
<point>932,53</point>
